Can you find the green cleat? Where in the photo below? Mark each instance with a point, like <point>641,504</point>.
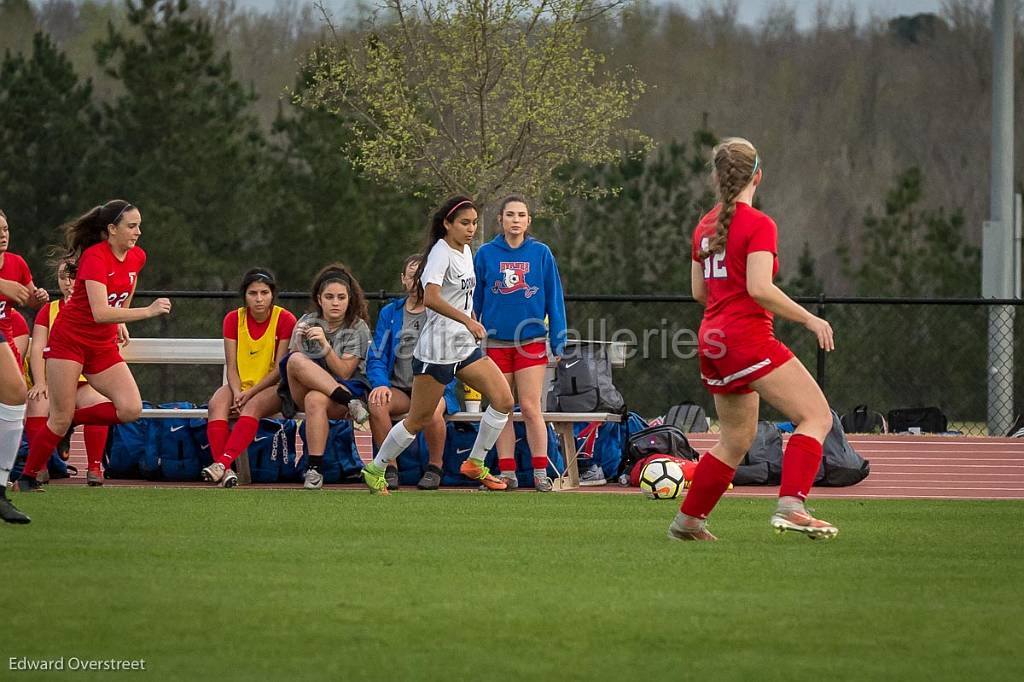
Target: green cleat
<point>374,478</point>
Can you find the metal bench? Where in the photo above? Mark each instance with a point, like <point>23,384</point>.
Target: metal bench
<point>211,352</point>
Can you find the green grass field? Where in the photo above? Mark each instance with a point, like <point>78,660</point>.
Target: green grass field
<point>258,584</point>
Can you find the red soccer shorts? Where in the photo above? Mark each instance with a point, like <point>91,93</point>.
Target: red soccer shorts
<point>93,358</point>
<point>511,359</point>
<point>732,368</point>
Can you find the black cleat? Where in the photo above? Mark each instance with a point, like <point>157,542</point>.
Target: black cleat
<point>29,485</point>
<point>10,513</point>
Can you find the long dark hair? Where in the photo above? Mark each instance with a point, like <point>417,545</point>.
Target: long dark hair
<point>338,273</point>
<point>409,260</point>
<point>89,229</point>
<point>446,212</point>
<point>258,275</point>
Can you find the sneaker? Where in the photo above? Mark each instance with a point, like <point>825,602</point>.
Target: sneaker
<point>678,530</point>
<point>230,479</point>
<point>313,480</point>
<point>360,415</point>
<point>510,480</point>
<point>43,476</point>
<point>375,480</point>
<point>431,479</point>
<point>543,484</point>
<point>470,469</point>
<point>800,521</point>
<point>30,485</point>
<point>213,473</point>
<point>11,514</point>
<point>94,477</point>
<point>391,476</point>
<point>593,476</point>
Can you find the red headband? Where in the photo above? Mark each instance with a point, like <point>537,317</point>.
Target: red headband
<point>456,208</point>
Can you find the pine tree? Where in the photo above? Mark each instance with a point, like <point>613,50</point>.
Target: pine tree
<point>183,145</point>
<point>806,281</point>
<point>330,209</point>
<point>912,251</point>
<point>637,238</point>
<point>48,129</point>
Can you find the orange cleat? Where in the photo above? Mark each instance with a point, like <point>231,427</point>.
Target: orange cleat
<point>471,469</point>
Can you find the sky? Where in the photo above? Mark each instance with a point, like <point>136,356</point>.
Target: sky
<point>750,11</point>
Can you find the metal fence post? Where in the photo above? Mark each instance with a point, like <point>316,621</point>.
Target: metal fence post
<point>820,373</point>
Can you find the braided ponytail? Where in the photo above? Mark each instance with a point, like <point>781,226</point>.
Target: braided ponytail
<point>735,162</point>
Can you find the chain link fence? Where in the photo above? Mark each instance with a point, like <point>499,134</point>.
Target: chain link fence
<point>890,353</point>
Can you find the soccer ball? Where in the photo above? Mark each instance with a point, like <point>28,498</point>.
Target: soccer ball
<point>662,479</point>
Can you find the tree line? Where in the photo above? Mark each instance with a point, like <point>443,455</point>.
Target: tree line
<point>874,136</point>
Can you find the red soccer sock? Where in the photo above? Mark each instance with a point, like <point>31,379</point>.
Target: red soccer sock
<point>507,464</point>
<point>217,433</point>
<point>95,440</point>
<point>539,462</point>
<point>240,438</point>
<point>800,463</point>
<point>711,479</point>
<point>101,414</point>
<point>39,450</point>
<point>33,427</point>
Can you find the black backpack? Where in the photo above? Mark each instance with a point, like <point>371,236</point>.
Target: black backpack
<point>656,440</point>
<point>583,382</point>
<point>928,419</point>
<point>762,465</point>
<point>688,418</point>
<point>863,420</point>
<point>841,465</point>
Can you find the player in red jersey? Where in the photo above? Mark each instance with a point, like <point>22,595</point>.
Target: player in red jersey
<point>16,287</point>
<point>735,259</point>
<point>12,412</point>
<point>255,339</point>
<point>12,383</point>
<point>84,338</point>
<point>19,330</point>
<point>38,404</point>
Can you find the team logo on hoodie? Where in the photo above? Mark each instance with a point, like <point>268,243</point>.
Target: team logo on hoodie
<point>513,278</point>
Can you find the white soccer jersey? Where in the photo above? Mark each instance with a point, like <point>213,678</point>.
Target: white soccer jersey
<point>444,341</point>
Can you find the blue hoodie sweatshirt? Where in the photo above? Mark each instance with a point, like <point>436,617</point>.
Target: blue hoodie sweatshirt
<point>380,360</point>
<point>516,289</point>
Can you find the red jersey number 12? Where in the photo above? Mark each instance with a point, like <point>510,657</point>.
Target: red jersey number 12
<point>714,265</point>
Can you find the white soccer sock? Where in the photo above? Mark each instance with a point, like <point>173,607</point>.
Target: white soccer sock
<point>12,420</point>
<point>398,439</point>
<point>491,425</point>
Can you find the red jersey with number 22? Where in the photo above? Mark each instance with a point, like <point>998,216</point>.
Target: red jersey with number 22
<point>730,308</point>
<point>98,264</point>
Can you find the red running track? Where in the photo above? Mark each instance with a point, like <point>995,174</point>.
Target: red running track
<point>902,467</point>
<point>928,467</point>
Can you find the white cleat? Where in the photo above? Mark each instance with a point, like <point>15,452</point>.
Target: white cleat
<point>213,473</point>
<point>799,521</point>
<point>230,479</point>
